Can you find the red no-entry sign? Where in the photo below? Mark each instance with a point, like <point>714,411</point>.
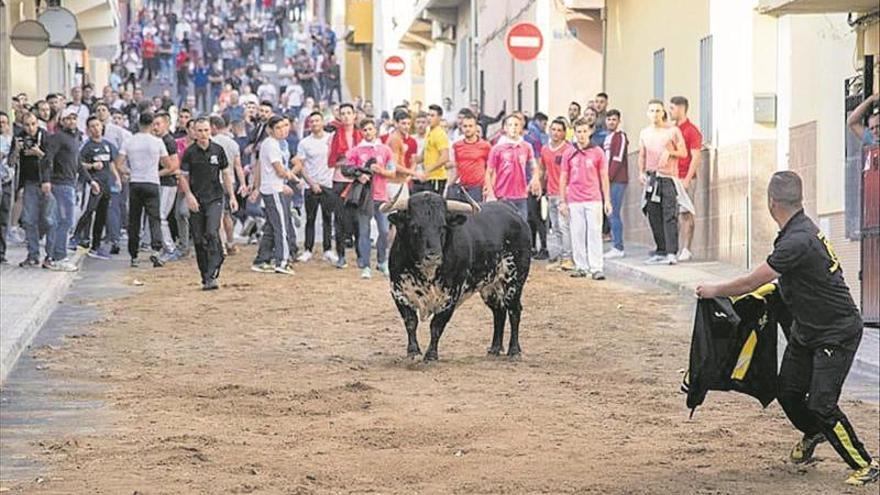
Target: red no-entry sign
<point>394,66</point>
<point>524,41</point>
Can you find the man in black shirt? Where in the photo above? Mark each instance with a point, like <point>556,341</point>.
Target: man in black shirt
<point>35,177</point>
<point>202,166</point>
<point>825,334</point>
<point>97,156</point>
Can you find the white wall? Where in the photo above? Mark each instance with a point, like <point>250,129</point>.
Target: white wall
<point>732,70</point>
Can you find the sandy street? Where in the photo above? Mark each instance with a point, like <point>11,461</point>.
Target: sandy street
<point>300,385</point>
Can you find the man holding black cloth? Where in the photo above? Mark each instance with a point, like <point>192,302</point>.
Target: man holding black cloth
<point>202,166</point>
<point>825,335</point>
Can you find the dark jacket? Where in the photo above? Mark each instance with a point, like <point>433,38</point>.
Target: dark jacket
<point>32,168</point>
<point>734,346</point>
<point>63,155</point>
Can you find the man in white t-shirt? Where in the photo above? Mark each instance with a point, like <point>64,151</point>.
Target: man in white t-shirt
<point>145,152</point>
<point>220,134</point>
<point>311,155</point>
<point>271,182</point>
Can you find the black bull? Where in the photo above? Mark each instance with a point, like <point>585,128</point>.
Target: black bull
<point>444,251</point>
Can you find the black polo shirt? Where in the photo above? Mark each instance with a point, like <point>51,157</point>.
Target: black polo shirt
<point>101,151</point>
<point>813,287</point>
<point>171,147</point>
<point>204,167</point>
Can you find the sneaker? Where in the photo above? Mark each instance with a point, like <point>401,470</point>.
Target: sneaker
<point>542,255</point>
<point>578,273</point>
<point>99,254</point>
<point>366,273</point>
<point>341,263</point>
<point>671,259</point>
<point>598,276</point>
<point>802,452</point>
<point>331,257</point>
<point>263,268</point>
<point>567,265</point>
<point>156,260</point>
<point>169,256</point>
<point>613,253</point>
<point>134,263</point>
<point>865,475</point>
<point>29,263</point>
<point>383,269</point>
<point>304,257</point>
<point>285,269</point>
<point>685,255</point>
<point>114,248</point>
<point>656,259</point>
<point>47,263</point>
<point>64,265</point>
<point>210,284</point>
<point>232,249</point>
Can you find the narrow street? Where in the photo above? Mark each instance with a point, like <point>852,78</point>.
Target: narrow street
<point>279,384</point>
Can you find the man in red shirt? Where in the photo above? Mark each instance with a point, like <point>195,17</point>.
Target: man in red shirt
<point>345,137</point>
<point>551,160</point>
<point>469,155</point>
<point>687,171</point>
<point>148,49</point>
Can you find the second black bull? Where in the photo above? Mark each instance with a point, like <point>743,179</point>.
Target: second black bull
<point>444,252</point>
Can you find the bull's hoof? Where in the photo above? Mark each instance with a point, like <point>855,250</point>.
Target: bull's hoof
<point>514,357</point>
<point>413,354</point>
<point>430,356</point>
<point>495,351</point>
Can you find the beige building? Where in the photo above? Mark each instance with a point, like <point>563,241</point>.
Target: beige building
<point>54,70</point>
<point>466,39</point>
<point>765,80</point>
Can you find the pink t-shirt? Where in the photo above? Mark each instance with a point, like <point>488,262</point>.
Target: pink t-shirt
<point>655,141</point>
<point>509,160</point>
<point>362,153</point>
<point>584,169</point>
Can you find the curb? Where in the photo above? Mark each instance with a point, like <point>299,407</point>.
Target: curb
<point>624,270</point>
<point>36,317</point>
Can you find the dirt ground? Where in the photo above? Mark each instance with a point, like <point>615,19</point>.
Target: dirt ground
<point>300,385</point>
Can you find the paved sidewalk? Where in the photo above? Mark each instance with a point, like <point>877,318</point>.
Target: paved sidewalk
<point>27,298</point>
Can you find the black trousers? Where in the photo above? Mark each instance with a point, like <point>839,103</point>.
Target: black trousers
<point>143,196</point>
<point>326,199</point>
<point>5,210</point>
<point>810,381</point>
<point>434,185</point>
<point>536,224</point>
<point>346,225</point>
<point>663,217</point>
<point>97,207</point>
<point>205,228</point>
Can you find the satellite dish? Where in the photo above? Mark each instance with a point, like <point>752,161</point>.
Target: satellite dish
<point>30,38</point>
<point>61,24</point>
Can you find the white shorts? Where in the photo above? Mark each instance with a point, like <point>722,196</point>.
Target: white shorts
<point>685,204</point>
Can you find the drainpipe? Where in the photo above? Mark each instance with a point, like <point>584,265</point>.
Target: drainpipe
<point>475,67</point>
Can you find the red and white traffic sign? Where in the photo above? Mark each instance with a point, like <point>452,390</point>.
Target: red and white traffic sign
<point>524,41</point>
<point>394,66</point>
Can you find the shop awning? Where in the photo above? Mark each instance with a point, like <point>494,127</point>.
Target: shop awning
<point>783,7</point>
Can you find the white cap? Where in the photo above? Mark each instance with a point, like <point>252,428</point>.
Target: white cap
<point>68,112</point>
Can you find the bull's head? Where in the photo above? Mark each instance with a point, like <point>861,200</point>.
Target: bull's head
<point>424,222</point>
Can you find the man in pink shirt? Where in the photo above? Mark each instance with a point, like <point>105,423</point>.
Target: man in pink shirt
<point>660,146</point>
<point>583,183</point>
<point>551,163</point>
<point>372,154</point>
<point>507,169</point>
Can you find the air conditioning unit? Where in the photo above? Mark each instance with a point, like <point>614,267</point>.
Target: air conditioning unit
<point>443,33</point>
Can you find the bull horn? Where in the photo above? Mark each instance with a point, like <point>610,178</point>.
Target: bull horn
<point>476,206</point>
<point>399,203</point>
<point>459,207</point>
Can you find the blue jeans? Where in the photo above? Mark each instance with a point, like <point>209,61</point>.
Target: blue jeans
<point>364,238</point>
<point>65,201</point>
<point>522,207</point>
<point>38,217</point>
<point>618,191</point>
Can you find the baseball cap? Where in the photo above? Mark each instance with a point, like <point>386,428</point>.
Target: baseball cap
<point>67,112</point>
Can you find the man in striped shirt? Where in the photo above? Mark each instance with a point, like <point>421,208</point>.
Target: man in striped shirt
<point>616,144</point>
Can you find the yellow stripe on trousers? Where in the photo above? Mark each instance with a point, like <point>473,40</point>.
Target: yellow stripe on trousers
<point>843,436</point>
<point>745,357</point>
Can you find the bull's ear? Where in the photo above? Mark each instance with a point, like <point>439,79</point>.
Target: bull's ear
<point>455,219</point>
<point>398,218</point>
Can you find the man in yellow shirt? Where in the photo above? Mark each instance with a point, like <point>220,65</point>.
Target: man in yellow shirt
<point>435,156</point>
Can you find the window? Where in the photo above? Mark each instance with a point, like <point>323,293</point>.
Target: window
<point>659,73</point>
<point>463,63</point>
<point>706,88</point>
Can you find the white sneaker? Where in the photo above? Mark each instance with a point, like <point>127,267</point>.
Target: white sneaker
<point>284,269</point>
<point>331,257</point>
<point>64,265</point>
<point>685,255</point>
<point>614,253</point>
<point>366,273</point>
<point>383,269</point>
<point>670,259</point>
<point>655,259</point>
<point>304,257</point>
